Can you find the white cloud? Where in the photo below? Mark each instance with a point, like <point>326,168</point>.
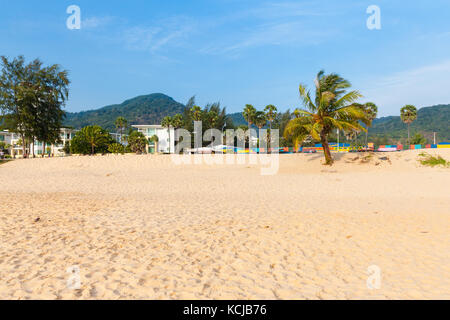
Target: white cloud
<point>291,33</point>
<point>424,86</point>
<point>171,32</point>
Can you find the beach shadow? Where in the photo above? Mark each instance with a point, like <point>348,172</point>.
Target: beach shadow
<point>316,156</point>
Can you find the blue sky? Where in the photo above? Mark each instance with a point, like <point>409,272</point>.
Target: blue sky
<point>236,51</point>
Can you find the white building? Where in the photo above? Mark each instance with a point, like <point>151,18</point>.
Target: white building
<point>13,140</point>
<point>162,146</point>
<point>16,150</point>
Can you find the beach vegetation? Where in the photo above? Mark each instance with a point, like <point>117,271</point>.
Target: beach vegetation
<point>432,161</point>
<point>408,114</point>
<point>260,119</point>
<point>332,107</point>
<point>249,114</point>
<point>121,124</point>
<point>167,123</point>
<point>418,139</point>
<point>31,98</point>
<point>91,140</point>
<point>371,111</point>
<point>116,148</point>
<point>137,142</point>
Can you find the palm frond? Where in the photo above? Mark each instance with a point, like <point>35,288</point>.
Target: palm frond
<point>348,98</point>
<point>306,97</point>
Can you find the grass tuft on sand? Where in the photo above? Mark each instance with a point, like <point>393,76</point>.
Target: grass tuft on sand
<point>432,161</point>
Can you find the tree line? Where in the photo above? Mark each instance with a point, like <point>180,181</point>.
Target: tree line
<point>32,97</point>
<point>31,100</point>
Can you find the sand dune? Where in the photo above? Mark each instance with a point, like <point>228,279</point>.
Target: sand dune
<point>142,227</point>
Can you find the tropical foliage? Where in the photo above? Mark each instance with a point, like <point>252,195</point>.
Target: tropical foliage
<point>116,148</point>
<point>121,124</point>
<point>271,113</point>
<point>371,111</point>
<point>260,119</point>
<point>408,114</point>
<point>91,140</point>
<point>31,98</point>
<point>167,123</point>
<point>418,139</point>
<point>332,107</point>
<point>249,114</point>
<point>137,142</point>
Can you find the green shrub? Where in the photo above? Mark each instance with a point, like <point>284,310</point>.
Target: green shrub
<point>91,140</point>
<point>137,142</point>
<point>66,148</point>
<point>116,148</point>
<point>418,139</point>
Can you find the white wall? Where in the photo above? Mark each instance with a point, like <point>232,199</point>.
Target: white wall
<point>163,137</point>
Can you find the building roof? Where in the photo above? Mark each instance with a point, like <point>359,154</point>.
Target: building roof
<point>150,126</point>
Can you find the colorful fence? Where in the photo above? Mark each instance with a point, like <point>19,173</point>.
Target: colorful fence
<point>334,147</point>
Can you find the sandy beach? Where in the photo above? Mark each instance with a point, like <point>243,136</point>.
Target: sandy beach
<point>141,227</point>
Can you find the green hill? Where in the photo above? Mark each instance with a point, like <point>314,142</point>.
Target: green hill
<point>429,120</point>
<point>148,109</point>
<point>237,118</point>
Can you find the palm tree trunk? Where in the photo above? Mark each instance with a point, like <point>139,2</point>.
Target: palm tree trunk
<point>367,137</point>
<point>270,136</point>
<point>409,140</point>
<point>92,150</point>
<point>23,147</point>
<point>326,149</point>
<point>168,130</point>
<point>32,151</point>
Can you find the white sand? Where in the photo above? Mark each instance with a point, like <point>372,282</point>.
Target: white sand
<point>141,227</point>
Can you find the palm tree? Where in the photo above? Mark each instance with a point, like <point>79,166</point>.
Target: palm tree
<point>177,123</point>
<point>121,123</point>
<point>167,123</point>
<point>249,114</point>
<point>260,119</point>
<point>408,114</point>
<point>196,113</point>
<point>213,117</point>
<point>95,136</point>
<point>332,108</point>
<point>371,111</point>
<point>155,140</point>
<point>297,113</point>
<point>271,114</point>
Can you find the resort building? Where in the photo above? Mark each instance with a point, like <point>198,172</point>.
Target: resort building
<point>15,143</point>
<point>164,144</point>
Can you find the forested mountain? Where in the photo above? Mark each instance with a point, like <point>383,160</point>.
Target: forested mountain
<point>429,120</point>
<point>148,109</point>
